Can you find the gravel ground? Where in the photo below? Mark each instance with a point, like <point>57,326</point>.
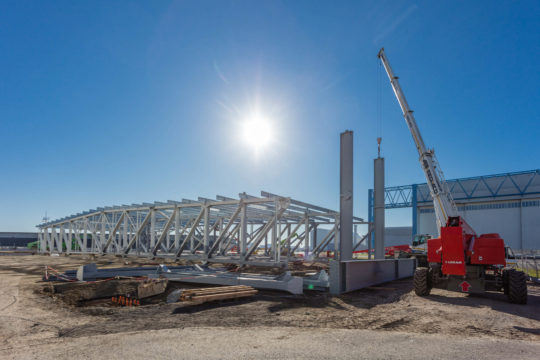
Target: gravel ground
<point>273,343</point>
<point>384,322</point>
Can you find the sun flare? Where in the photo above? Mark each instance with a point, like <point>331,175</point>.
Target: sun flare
<point>257,132</point>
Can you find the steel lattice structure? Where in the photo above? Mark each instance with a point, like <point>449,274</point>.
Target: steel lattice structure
<point>264,230</point>
<point>508,186</point>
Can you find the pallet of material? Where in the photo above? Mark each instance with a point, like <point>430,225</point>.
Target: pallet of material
<point>211,294</point>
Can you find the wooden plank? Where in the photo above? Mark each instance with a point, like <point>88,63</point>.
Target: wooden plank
<point>225,296</point>
<point>216,289</point>
<point>190,296</point>
<point>210,294</point>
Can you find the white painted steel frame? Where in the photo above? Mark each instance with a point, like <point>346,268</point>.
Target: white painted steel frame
<point>264,230</point>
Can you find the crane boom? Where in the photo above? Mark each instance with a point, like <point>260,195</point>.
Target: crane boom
<point>442,201</point>
<point>459,259</point>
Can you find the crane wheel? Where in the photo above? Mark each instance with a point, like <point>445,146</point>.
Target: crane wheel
<point>517,287</point>
<point>422,281</point>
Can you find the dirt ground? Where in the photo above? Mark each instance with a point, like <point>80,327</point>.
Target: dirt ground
<point>31,317</point>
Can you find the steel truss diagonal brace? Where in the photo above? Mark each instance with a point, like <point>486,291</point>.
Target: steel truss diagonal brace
<point>191,232</point>
<point>281,205</point>
<point>112,234</point>
<point>222,234</point>
<point>138,233</point>
<point>165,231</point>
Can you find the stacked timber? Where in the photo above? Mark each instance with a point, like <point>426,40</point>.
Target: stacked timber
<point>151,287</point>
<point>76,292</point>
<point>212,294</point>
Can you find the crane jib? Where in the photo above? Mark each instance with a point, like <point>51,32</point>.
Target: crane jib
<point>433,187</point>
<point>442,200</point>
<point>432,181</point>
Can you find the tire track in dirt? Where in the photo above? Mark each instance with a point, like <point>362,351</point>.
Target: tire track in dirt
<point>15,300</point>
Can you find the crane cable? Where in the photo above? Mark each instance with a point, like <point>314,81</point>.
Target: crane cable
<point>379,106</point>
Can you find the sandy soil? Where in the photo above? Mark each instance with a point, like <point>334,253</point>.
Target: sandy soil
<point>30,317</point>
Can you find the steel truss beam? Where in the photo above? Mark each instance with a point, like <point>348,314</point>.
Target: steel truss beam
<point>248,230</point>
<point>487,187</point>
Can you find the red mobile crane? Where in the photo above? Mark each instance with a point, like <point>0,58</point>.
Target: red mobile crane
<point>459,259</point>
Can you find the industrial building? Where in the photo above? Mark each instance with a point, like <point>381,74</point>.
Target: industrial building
<point>508,204</point>
<point>17,239</point>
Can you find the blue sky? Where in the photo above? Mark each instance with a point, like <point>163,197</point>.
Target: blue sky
<point>105,103</point>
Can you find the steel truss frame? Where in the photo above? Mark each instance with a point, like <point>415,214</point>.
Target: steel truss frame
<point>264,230</point>
<point>507,185</point>
<point>520,185</point>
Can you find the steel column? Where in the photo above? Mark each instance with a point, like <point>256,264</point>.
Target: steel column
<point>346,196</point>
<point>378,194</point>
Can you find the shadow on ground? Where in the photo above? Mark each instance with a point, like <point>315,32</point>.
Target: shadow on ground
<point>498,302</point>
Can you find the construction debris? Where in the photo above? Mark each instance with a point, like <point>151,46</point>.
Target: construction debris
<point>211,294</point>
<point>76,292</point>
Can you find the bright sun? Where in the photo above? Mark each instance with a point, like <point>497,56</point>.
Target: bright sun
<point>257,132</point>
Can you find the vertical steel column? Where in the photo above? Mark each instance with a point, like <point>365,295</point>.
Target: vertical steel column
<point>40,240</point>
<point>314,238</point>
<point>346,197</point>
<point>70,236</point>
<point>336,238</point>
<point>62,238</point>
<point>152,229</point>
<point>54,239</point>
<point>217,228</point>
<point>288,241</point>
<point>206,229</point>
<point>221,231</point>
<point>103,239</point>
<point>275,234</point>
<point>371,236</point>
<point>125,232</point>
<point>414,203</point>
<point>138,238</point>
<point>241,248</point>
<point>355,235</point>
<point>177,228</point>
<point>95,240</point>
<point>47,240</point>
<point>306,237</point>
<point>85,235</point>
<point>168,235</point>
<point>378,195</point>
<point>52,247</point>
